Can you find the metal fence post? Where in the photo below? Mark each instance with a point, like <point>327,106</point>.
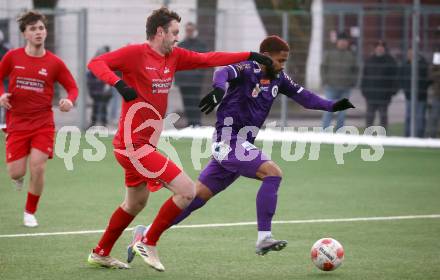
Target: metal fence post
<point>360,50</point>
<point>82,65</point>
<point>285,34</point>
<point>415,63</point>
<point>405,36</point>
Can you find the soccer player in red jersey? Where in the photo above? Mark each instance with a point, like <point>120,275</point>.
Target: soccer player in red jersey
<point>30,128</point>
<point>147,73</point>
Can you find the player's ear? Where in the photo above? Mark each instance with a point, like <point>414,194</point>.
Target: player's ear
<point>159,30</point>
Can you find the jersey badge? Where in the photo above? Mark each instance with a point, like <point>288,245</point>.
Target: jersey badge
<point>256,91</point>
<point>43,72</point>
<point>275,91</point>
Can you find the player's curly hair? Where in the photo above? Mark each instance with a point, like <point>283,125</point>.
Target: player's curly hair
<point>273,44</point>
<point>29,18</point>
<point>161,17</point>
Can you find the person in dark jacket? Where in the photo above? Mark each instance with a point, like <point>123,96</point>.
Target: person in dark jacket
<point>422,85</point>
<point>100,93</point>
<point>434,76</point>
<point>190,82</point>
<point>379,84</point>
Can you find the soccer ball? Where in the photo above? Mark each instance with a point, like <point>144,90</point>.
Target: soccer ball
<point>327,254</point>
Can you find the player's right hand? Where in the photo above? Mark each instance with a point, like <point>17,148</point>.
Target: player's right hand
<point>211,100</point>
<point>4,100</point>
<point>127,92</point>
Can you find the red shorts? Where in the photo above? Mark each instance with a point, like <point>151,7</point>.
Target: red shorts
<point>153,169</point>
<point>19,143</point>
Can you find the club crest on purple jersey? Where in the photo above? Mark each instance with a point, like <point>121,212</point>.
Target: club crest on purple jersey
<point>275,91</point>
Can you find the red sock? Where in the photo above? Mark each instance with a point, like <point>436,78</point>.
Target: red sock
<point>167,213</point>
<point>31,203</point>
<point>119,221</point>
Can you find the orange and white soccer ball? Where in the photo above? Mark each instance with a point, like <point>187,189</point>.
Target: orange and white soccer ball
<point>327,254</point>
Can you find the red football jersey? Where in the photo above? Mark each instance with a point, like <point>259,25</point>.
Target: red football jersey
<point>31,84</point>
<point>151,75</point>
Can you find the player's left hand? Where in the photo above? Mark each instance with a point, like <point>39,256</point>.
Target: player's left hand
<point>342,105</point>
<point>211,100</point>
<point>65,105</point>
<point>261,58</point>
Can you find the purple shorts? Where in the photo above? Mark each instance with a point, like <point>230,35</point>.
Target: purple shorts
<point>230,161</point>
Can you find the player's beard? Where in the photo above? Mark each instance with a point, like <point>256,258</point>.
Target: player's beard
<point>168,47</point>
<point>271,72</point>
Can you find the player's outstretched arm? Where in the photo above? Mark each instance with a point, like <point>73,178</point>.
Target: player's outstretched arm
<point>310,100</point>
<point>191,60</point>
<point>261,58</point>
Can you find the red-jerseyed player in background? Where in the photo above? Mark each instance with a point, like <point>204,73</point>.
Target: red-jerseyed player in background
<point>30,128</point>
<point>147,73</point>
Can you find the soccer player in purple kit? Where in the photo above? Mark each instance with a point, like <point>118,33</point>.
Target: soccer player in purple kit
<point>243,110</point>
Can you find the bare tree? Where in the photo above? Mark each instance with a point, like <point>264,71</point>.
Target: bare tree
<point>206,22</point>
<point>48,4</point>
<point>298,33</point>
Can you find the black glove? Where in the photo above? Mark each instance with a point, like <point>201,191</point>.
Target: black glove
<point>342,105</point>
<point>127,92</point>
<point>261,58</point>
<point>211,100</point>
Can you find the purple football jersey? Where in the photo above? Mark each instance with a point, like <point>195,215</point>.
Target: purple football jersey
<point>250,96</point>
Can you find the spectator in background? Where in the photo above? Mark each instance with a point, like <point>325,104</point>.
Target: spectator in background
<point>379,83</point>
<point>100,92</point>
<point>114,107</point>
<point>190,82</point>
<point>434,112</point>
<point>422,85</point>
<point>339,74</point>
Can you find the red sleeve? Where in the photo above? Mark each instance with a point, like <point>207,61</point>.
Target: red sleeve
<point>190,60</point>
<point>5,69</point>
<point>119,60</point>
<point>66,79</point>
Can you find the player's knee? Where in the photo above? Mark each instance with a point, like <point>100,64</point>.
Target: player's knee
<point>16,173</point>
<point>188,193</point>
<point>277,172</point>
<point>139,206</point>
<point>134,207</point>
<point>37,169</point>
<point>203,192</point>
<point>272,170</point>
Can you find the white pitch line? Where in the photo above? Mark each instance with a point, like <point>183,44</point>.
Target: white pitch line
<point>364,219</point>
